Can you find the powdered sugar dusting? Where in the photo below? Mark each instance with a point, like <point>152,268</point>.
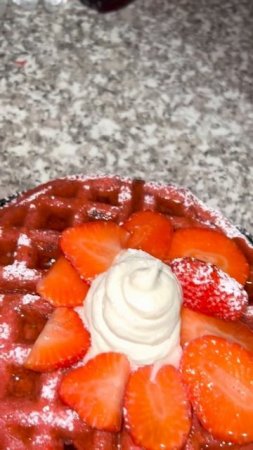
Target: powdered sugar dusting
<point>205,214</point>
<point>95,213</point>
<point>19,354</point>
<point>125,194</point>
<point>30,419</point>
<point>149,199</point>
<point>229,287</point>
<point>18,270</point>
<point>64,419</point>
<point>24,240</point>
<point>34,196</point>
<point>222,223</point>
<point>42,439</point>
<point>49,387</point>
<point>202,275</point>
<point>29,299</point>
<point>96,176</point>
<point>5,331</point>
<point>209,290</point>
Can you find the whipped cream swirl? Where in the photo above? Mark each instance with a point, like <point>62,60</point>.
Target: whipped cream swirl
<point>134,308</point>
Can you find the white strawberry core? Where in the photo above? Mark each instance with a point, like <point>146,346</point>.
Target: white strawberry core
<point>134,308</point>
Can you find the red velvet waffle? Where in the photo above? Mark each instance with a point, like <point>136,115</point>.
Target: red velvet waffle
<point>31,414</point>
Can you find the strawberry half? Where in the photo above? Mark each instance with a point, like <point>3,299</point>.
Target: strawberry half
<point>63,341</point>
<point>156,409</point>
<point>219,375</point>
<point>62,286</point>
<point>195,325</point>
<point>151,232</point>
<point>95,391</point>
<point>200,439</point>
<point>92,247</point>
<point>211,246</point>
<point>209,290</point>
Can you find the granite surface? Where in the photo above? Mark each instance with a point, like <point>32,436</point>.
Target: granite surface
<point>162,90</point>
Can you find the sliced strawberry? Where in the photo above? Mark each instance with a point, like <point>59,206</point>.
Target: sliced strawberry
<point>151,232</point>
<point>156,408</point>
<point>219,375</point>
<point>248,316</point>
<point>92,247</point>
<point>95,391</point>
<point>63,341</point>
<point>211,246</point>
<point>200,439</point>
<point>209,290</point>
<point>62,286</point>
<point>195,325</point>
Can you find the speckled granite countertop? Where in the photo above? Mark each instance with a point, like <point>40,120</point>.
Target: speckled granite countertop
<point>162,90</point>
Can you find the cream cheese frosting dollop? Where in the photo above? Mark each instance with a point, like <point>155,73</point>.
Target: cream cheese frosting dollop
<point>134,308</point>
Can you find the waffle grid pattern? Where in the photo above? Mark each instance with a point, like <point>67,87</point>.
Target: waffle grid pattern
<point>31,415</point>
